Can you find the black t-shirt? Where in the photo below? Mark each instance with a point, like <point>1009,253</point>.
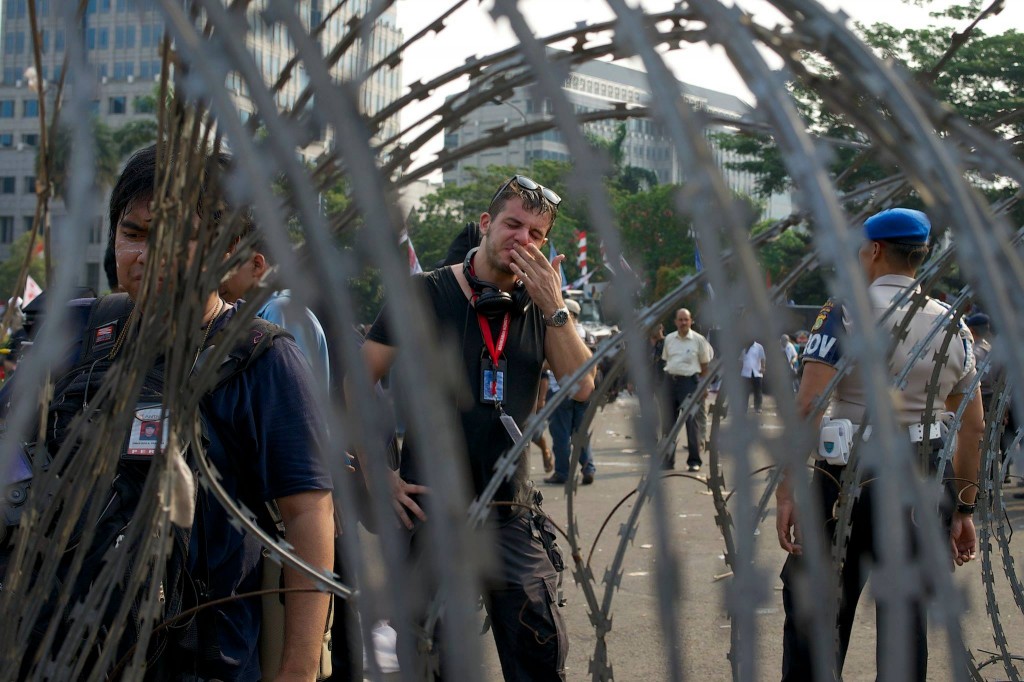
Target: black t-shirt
<point>485,438</point>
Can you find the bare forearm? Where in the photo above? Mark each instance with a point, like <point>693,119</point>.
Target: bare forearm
<point>310,530</point>
<point>566,353</point>
<point>967,458</point>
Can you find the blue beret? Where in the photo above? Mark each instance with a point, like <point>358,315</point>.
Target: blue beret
<point>977,320</point>
<point>899,224</point>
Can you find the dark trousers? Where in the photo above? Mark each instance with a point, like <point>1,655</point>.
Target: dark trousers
<point>680,389</point>
<point>861,554</point>
<point>346,638</point>
<point>1009,427</point>
<point>755,386</point>
<point>522,604</point>
<point>565,422</point>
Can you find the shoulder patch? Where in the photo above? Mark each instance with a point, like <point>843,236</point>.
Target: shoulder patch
<point>823,344</point>
<point>822,315</point>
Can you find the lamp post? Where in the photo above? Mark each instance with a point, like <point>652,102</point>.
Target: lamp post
<point>526,121</point>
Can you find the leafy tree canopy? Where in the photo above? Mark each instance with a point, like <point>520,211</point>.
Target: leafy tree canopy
<point>983,81</point>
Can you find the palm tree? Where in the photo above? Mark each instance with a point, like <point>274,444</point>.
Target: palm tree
<point>108,158</point>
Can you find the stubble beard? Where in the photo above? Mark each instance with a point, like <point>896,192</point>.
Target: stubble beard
<point>494,260</point>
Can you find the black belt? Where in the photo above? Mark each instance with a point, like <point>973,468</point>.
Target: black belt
<point>684,376</point>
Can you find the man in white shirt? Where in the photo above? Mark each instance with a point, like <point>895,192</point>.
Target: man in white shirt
<point>753,375</point>
<point>686,355</point>
<point>792,358</point>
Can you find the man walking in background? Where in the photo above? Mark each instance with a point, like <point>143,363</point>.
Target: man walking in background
<point>753,375</point>
<point>686,355</point>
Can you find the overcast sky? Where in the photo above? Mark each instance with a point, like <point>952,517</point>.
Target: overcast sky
<point>472,32</point>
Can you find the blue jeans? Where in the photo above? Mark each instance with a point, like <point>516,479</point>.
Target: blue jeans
<point>565,421</point>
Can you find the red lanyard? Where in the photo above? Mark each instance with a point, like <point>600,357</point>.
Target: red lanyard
<point>495,349</point>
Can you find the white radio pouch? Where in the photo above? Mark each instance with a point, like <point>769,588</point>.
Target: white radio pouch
<point>835,441</point>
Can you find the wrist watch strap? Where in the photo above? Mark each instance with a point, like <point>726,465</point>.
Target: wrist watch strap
<point>962,508</point>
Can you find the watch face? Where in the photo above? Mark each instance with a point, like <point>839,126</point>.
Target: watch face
<point>559,317</point>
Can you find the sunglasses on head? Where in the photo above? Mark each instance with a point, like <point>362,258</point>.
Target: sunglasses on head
<point>530,185</point>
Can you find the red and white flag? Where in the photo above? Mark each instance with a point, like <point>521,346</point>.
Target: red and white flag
<point>32,290</point>
<point>414,262</point>
<point>581,252</point>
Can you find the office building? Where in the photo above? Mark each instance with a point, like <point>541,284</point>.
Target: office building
<point>123,41</point>
<point>598,86</point>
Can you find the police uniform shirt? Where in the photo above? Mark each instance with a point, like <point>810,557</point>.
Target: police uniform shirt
<point>833,324</point>
<point>981,350</point>
<point>683,355</point>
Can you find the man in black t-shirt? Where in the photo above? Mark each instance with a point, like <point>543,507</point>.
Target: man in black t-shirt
<point>504,345</point>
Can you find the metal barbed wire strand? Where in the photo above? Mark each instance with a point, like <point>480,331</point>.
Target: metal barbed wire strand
<point>46,350</point>
<point>467,614</point>
<point>988,495</point>
<point>879,92</point>
<point>815,196</point>
<point>281,252</point>
<point>746,62</point>
<point>677,294</point>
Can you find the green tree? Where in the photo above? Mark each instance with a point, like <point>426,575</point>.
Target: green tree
<point>656,238</point>
<point>983,81</point>
<point>11,268</point>
<point>623,177</point>
<point>780,256</point>
<point>113,146</point>
<point>445,213</point>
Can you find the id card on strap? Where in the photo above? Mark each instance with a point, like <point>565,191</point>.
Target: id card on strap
<point>146,431</point>
<point>493,367</point>
<point>492,380</point>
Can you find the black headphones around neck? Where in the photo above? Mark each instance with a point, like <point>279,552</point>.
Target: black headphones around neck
<point>488,299</point>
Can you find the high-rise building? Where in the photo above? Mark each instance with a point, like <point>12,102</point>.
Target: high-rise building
<point>123,40</point>
<point>598,86</point>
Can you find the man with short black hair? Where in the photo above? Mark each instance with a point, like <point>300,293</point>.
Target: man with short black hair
<point>265,434</point>
<point>280,308</point>
<point>505,303</point>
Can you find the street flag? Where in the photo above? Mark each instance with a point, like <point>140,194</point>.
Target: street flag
<point>582,281</point>
<point>32,290</point>
<point>699,265</point>
<point>552,254</point>
<point>623,263</point>
<point>414,262</point>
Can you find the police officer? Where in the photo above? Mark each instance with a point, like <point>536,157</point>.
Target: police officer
<point>895,245</point>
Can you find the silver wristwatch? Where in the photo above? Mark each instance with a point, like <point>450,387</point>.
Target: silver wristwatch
<point>558,318</point>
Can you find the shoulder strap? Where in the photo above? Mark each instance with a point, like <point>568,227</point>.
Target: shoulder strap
<point>249,348</point>
<point>112,309</point>
<point>259,340</point>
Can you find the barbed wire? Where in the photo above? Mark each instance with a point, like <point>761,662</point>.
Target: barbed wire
<point>930,150</point>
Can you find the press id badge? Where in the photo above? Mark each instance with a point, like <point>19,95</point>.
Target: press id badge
<point>147,430</point>
<point>492,380</point>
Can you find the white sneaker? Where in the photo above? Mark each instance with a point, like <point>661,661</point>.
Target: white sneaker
<point>385,647</point>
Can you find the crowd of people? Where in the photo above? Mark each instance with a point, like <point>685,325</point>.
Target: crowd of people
<point>520,345</point>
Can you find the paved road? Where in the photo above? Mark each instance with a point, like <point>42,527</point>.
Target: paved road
<point>636,648</point>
